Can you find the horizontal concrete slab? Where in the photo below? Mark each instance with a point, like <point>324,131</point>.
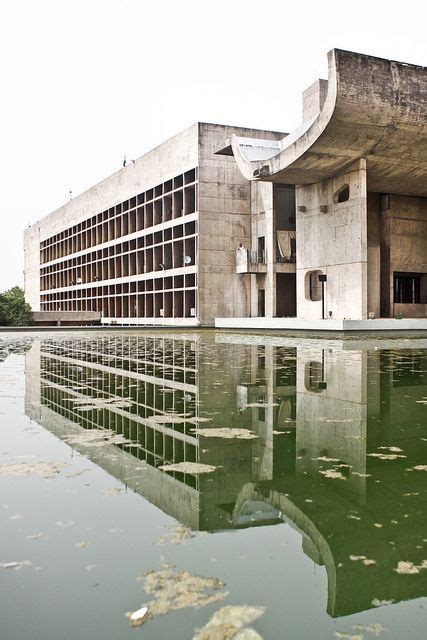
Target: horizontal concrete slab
<point>377,325</point>
<point>66,316</point>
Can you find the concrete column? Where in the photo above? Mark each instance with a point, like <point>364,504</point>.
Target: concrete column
<point>331,229</point>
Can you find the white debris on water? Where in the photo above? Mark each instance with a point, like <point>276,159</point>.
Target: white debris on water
<point>15,564</point>
<point>137,618</point>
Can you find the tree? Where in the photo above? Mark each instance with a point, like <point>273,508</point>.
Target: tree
<point>14,311</point>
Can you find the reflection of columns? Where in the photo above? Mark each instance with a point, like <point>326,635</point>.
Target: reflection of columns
<point>263,227</point>
<point>264,419</point>
<point>32,381</point>
<point>270,288</point>
<point>332,418</point>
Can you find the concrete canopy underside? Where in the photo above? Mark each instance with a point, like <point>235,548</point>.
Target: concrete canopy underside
<point>374,109</point>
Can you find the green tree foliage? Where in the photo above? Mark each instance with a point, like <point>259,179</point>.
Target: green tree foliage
<point>14,311</point>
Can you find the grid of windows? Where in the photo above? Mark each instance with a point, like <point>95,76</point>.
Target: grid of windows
<point>136,259</point>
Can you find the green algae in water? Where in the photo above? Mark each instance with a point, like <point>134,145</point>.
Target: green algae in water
<point>314,500</point>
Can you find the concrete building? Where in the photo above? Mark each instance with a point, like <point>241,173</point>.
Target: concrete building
<point>229,225</point>
<point>358,165</point>
<point>152,244</point>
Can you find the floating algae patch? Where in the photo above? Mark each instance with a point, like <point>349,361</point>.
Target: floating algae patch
<point>231,622</point>
<point>226,432</point>
<point>176,535</point>
<point>333,473</point>
<point>97,438</point>
<point>381,603</point>
<point>172,590</point>
<point>409,568</point>
<point>368,562</point>
<point>167,418</point>
<point>386,456</point>
<point>376,629</point>
<point>189,467</point>
<point>42,469</point>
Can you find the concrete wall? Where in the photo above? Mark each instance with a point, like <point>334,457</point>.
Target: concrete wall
<point>403,247</point>
<point>334,242</point>
<point>32,265</point>
<point>313,99</point>
<point>224,222</point>
<point>223,216</point>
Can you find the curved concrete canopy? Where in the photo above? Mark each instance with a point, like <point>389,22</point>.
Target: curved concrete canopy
<point>374,109</point>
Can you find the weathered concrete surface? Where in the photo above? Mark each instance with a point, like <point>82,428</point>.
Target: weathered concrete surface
<point>313,99</point>
<point>377,325</point>
<point>374,109</point>
<point>365,128</point>
<point>66,317</point>
<point>221,217</point>
<point>224,222</point>
<point>334,242</point>
<point>403,249</point>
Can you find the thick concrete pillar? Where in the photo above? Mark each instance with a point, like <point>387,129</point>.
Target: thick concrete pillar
<point>331,230</point>
<point>263,227</point>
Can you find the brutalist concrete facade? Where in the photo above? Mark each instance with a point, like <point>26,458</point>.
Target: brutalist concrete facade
<point>329,221</point>
<point>152,244</point>
<point>358,165</point>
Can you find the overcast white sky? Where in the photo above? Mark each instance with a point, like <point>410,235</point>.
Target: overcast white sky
<point>84,82</point>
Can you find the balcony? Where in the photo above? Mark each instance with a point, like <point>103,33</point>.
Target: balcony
<point>248,261</point>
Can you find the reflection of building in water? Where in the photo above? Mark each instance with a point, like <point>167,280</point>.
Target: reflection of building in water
<point>323,415</point>
<point>153,391</point>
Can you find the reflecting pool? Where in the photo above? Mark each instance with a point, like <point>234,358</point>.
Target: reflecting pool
<point>238,486</point>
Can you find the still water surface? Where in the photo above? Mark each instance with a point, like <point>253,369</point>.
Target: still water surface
<point>279,473</point>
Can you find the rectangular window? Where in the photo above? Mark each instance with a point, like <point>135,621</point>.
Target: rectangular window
<point>407,288</point>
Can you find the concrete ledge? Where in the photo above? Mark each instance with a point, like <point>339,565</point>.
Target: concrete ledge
<point>151,322</point>
<point>66,317</point>
<point>377,325</point>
